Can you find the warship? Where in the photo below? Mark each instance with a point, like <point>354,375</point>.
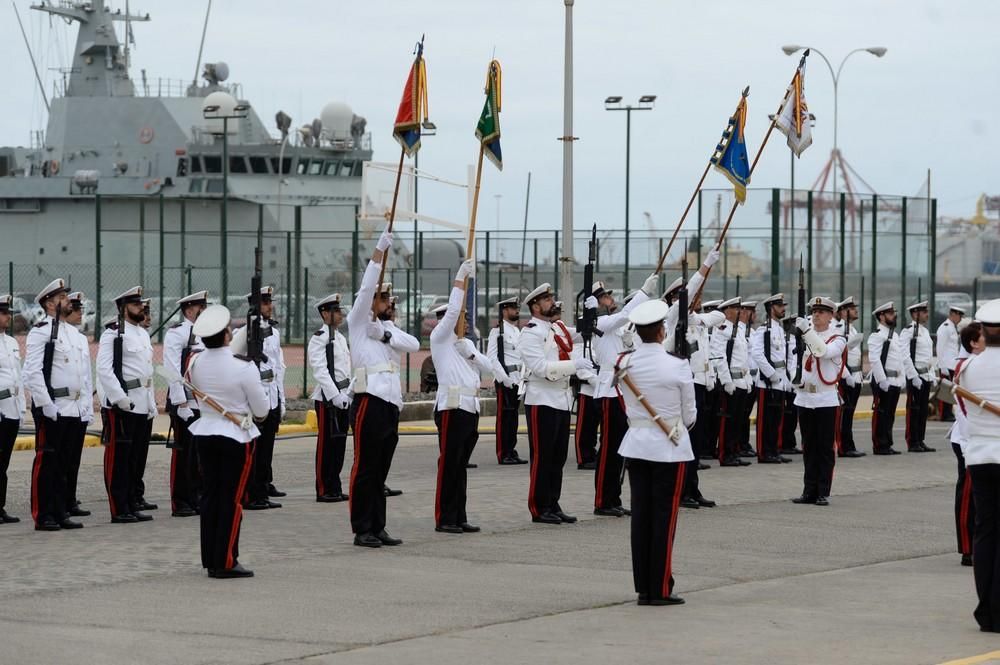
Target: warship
<point>117,156</point>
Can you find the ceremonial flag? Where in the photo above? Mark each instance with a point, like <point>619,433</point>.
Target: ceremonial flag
<point>730,156</point>
<point>488,129</point>
<point>413,107</point>
<point>793,121</point>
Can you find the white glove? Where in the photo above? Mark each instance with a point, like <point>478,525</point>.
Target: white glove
<point>651,285</point>
<point>247,423</point>
<point>712,257</point>
<point>854,340</point>
<point>916,382</point>
<point>515,377</point>
<point>375,330</point>
<point>384,240</point>
<point>506,381</point>
<point>849,379</point>
<point>340,401</point>
<point>776,379</point>
<point>50,412</point>
<point>281,415</point>
<point>586,375</point>
<point>730,387</point>
<point>185,413</point>
<point>583,363</point>
<point>675,434</point>
<point>150,415</point>
<point>590,303</point>
<point>125,404</point>
<point>883,386</point>
<point>465,348</point>
<point>466,269</point>
<point>802,324</point>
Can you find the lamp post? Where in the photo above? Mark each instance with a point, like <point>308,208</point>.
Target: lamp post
<point>614,103</point>
<point>216,112</point>
<point>877,51</point>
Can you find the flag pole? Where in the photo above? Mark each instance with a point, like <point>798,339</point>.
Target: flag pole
<point>460,325</point>
<point>694,195</point>
<point>392,218</point>
<point>753,165</point>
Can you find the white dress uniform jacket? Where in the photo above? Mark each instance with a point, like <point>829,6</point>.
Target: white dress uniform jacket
<point>235,385</point>
<point>546,376</point>
<point>852,373</point>
<point>376,370</point>
<point>948,346</point>
<point>770,362</point>
<point>698,343</point>
<point>512,357</point>
<point>613,340</point>
<point>272,372</point>
<point>979,374</point>
<point>11,385</point>
<point>87,393</point>
<point>328,387</point>
<point>458,375</point>
<point>959,432</point>
<point>137,365</point>
<point>924,352</point>
<point>67,369</point>
<point>667,384</point>
<point>736,371</point>
<point>898,368</point>
<point>821,365</point>
<point>174,341</point>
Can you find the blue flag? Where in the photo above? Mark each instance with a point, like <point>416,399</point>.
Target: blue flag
<point>730,156</point>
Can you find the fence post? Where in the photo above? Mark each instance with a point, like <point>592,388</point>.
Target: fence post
<point>534,268</point>
<point>775,238</point>
<point>862,317</point>
<point>355,248</point>
<point>809,237</point>
<point>142,242</point>
<point>305,337</point>
<point>183,259</point>
<point>843,242</point>
<point>933,266</point>
<point>902,249</point>
<point>288,279</point>
<point>874,250</point>
<point>298,259</point>
<point>98,328</point>
<point>10,277</point>
<point>159,337</point>
<point>975,295</point>
<point>699,228</point>
<point>486,287</point>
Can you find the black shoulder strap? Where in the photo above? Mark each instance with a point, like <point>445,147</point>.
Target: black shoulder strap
<point>885,349</point>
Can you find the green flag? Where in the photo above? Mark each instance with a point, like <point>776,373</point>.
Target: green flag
<point>488,129</point>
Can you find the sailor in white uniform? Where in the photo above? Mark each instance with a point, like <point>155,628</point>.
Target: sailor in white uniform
<point>916,342</point>
<point>330,360</point>
<point>891,369</point>
<point>502,350</point>
<point>73,448</point>
<point>850,383</point>
<point>11,399</point>
<point>948,347</point>
<point>729,354</point>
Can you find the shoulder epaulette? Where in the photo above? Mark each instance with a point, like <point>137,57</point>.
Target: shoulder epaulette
<point>241,357</point>
<point>41,324</point>
<point>176,325</point>
<point>272,322</point>
<point>531,325</point>
<point>318,333</point>
<point>112,326</point>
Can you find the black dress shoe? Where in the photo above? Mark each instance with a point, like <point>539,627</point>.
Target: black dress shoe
<point>625,511</point>
<point>77,511</point>
<point>146,505</point>
<point>232,573</point>
<point>387,491</point>
<point>70,524</point>
<point>587,466</point>
<point>518,459</point>
<point>388,540</point>
<point>272,504</point>
<point>609,512</point>
<point>791,451</point>
<point>784,460</point>
<point>822,501</point>
<point>469,528</point>
<point>730,461</point>
<point>917,448</point>
<point>448,528</point>
<point>886,451</point>
<point>928,449</point>
<point>331,498</point>
<point>547,518</point>
<point>704,467</point>
<point>513,460</point>
<point>210,571</point>
<point>854,453</point>
<point>470,465</point>
<point>273,491</point>
<point>966,559</point>
<point>672,599</point>
<point>47,525</point>
<point>643,599</point>
<point>743,462</point>
<point>804,499</point>
<point>8,519</point>
<point>124,518</point>
<point>771,460</point>
<point>260,504</point>
<point>367,540</point>
<point>705,503</point>
<point>184,512</point>
<point>749,452</point>
<point>689,502</point>
<point>568,519</point>
<point>141,517</point>
<point>709,456</point>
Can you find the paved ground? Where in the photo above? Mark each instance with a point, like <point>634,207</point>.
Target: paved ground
<point>872,579</point>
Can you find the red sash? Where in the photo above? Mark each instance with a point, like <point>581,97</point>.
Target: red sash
<point>563,340</point>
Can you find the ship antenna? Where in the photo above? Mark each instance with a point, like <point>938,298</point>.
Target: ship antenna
<point>201,46</point>
<point>31,55</point>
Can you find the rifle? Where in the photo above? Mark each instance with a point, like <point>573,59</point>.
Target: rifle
<point>117,354</point>
<point>330,366</point>
<point>48,355</point>
<point>255,339</point>
<point>586,320</point>
<point>732,338</point>
<point>681,347</point>
<point>800,347</point>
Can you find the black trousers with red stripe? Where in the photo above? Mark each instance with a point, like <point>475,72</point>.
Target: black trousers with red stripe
<point>849,403</point>
<point>48,479</point>
<point>965,507</point>
<point>986,545</point>
<point>607,477</point>
<point>748,404</point>
<point>731,423</point>
<point>883,416</point>
<point>945,411</point>
<point>458,432</point>
<point>588,417</point>
<point>8,434</point>
<point>122,430</point>
<point>713,404</point>
<point>548,436</point>
<point>789,421</point>
<point>137,463</point>
<point>818,455</point>
<point>376,433</point>
<point>508,406</point>
<point>698,442</point>
<point>71,452</point>
<point>656,493</point>
<point>263,454</point>
<point>770,411</point>
<point>917,409</point>
<point>331,442</point>
<point>225,467</point>
<point>185,476</point>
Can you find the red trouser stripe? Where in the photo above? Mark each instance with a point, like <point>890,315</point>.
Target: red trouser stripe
<point>359,421</point>
<point>238,506</point>
<point>320,445</point>
<point>109,460</point>
<point>875,401</point>
<point>674,505</point>
<point>442,453</point>
<point>963,515</point>
<point>761,398</point>
<point>602,463</point>
<point>173,477</point>
<point>499,425</point>
<point>838,441</point>
<point>533,442</point>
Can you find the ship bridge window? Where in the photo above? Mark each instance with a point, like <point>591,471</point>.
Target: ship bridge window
<point>196,165</point>
<point>238,165</point>
<point>316,167</point>
<point>346,168</point>
<point>195,187</point>
<point>331,167</point>
<point>258,165</point>
<point>182,167</point>
<point>286,165</point>
<point>213,164</point>
<point>213,186</point>
<point>301,167</point>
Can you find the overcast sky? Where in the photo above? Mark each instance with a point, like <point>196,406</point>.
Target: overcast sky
<point>926,104</point>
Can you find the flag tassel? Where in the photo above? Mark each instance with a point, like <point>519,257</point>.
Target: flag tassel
<point>461,325</point>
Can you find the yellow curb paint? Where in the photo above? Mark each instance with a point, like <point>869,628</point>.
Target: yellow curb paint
<point>972,660</point>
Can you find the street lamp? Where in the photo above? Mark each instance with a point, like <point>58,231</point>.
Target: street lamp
<point>216,112</point>
<point>614,103</point>
<point>877,51</point>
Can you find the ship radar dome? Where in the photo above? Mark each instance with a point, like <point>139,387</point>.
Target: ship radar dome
<point>336,118</point>
<point>215,106</point>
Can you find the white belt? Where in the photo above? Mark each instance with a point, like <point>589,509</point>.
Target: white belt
<point>464,391</point>
<point>699,368</point>
<point>922,369</point>
<point>853,368</point>
<point>736,373</point>
<point>892,373</point>
<point>810,388</point>
<point>379,368</point>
